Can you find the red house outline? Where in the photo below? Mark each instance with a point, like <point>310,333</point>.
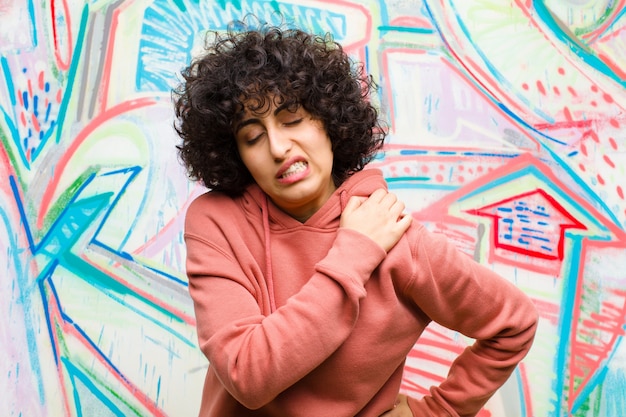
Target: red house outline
<point>568,222</point>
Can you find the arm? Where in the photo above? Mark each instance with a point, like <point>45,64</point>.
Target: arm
<point>257,355</point>
<point>465,296</point>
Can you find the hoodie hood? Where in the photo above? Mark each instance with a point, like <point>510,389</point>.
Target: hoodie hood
<point>362,184</point>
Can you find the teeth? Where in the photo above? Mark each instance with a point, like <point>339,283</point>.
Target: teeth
<point>297,167</point>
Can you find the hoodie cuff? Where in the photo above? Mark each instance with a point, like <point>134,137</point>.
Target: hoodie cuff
<point>352,255</point>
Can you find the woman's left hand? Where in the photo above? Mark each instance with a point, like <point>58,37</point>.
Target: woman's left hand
<point>400,408</point>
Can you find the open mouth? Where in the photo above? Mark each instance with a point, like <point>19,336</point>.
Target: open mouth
<point>294,169</point>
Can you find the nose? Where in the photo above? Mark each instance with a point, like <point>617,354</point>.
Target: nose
<point>280,143</point>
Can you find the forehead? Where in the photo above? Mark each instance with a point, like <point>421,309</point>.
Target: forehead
<point>253,110</point>
<point>261,104</point>
<point>264,106</point>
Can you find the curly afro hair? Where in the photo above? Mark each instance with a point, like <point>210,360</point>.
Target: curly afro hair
<point>240,67</point>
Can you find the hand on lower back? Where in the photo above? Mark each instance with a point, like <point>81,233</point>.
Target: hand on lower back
<point>379,217</point>
<point>400,408</point>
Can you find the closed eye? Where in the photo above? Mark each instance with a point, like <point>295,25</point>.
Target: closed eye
<point>293,122</point>
<point>255,139</point>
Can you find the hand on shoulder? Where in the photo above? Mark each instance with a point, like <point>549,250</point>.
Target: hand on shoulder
<point>380,217</point>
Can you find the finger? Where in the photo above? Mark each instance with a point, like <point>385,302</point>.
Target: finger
<point>354,202</point>
<point>378,195</point>
<point>405,221</point>
<point>389,200</point>
<point>397,208</point>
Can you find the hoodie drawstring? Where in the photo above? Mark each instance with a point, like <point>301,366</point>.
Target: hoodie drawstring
<point>343,197</point>
<point>269,277</point>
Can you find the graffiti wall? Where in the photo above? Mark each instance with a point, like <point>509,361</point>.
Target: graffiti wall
<point>507,133</point>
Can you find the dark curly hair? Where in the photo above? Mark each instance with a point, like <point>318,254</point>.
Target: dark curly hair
<point>247,66</point>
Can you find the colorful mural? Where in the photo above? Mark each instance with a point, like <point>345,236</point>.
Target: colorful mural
<point>507,133</point>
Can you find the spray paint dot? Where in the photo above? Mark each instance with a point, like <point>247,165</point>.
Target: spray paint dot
<point>541,88</point>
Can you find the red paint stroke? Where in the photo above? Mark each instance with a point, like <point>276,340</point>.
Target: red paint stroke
<point>541,88</point>
<point>565,124</point>
<point>436,379</point>
<point>121,108</point>
<point>592,134</point>
<point>572,91</point>
<point>409,386</point>
<point>612,64</point>
<point>8,170</point>
<point>600,179</point>
<point>528,403</point>
<point>412,22</point>
<point>35,123</point>
<point>62,62</point>
<point>40,79</point>
<point>608,160</point>
<point>567,114</point>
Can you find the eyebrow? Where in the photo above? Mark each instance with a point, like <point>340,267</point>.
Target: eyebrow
<point>253,120</point>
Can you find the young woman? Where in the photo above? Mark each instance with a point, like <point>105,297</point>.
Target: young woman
<point>309,282</point>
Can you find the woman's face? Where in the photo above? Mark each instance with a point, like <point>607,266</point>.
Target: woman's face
<point>290,157</point>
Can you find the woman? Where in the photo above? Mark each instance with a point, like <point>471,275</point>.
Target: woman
<point>310,285</point>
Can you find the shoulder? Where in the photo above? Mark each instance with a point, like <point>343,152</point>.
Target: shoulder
<point>210,208</point>
<point>425,251</point>
<point>216,209</point>
<point>209,202</point>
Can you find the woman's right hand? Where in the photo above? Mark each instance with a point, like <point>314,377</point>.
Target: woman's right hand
<point>400,408</point>
<point>380,217</point>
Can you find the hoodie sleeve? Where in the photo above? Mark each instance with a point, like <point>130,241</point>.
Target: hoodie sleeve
<point>465,296</point>
<point>257,355</point>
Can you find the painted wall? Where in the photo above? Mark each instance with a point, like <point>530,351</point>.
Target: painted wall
<point>507,133</point>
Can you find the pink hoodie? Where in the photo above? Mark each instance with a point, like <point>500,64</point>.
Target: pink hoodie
<point>322,326</point>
